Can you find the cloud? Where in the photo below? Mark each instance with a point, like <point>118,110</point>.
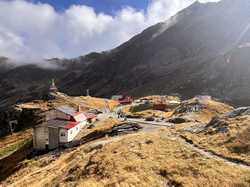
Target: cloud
<point>35,31</point>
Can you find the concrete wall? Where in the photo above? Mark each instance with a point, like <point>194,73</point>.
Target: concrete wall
<point>40,137</point>
<point>53,137</point>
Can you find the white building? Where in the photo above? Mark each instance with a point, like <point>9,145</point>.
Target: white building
<point>60,127</point>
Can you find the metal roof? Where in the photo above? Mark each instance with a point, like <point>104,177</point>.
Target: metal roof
<point>90,115</point>
<point>67,110</point>
<point>57,123</point>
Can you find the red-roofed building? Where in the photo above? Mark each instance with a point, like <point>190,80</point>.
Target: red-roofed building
<point>60,127</point>
<point>125,100</point>
<point>70,125</point>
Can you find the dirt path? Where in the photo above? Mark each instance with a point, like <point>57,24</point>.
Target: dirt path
<point>151,125</point>
<point>214,155</point>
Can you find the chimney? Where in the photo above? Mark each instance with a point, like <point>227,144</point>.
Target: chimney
<point>79,108</point>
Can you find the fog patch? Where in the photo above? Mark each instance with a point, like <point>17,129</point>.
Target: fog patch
<point>41,63</point>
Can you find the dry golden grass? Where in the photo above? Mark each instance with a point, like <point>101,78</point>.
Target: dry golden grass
<point>98,127</point>
<point>98,102</point>
<point>15,138</point>
<point>155,113</point>
<point>86,102</point>
<point>126,109</point>
<point>234,144</point>
<point>106,124</point>
<point>158,98</point>
<point>217,107</point>
<point>141,159</point>
<point>155,160</point>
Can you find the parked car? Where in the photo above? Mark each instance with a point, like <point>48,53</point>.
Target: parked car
<point>149,119</point>
<point>94,111</point>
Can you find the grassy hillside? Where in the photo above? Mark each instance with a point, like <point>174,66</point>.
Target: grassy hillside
<point>151,159</point>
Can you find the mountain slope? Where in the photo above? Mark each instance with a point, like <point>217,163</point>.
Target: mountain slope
<point>201,50</point>
<point>195,52</point>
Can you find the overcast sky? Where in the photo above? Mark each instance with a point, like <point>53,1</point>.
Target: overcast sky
<point>41,29</point>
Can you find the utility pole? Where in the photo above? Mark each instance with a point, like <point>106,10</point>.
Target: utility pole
<point>107,108</point>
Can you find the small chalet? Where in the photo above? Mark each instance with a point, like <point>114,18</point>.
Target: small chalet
<point>60,126</point>
<point>122,99</point>
<point>125,100</point>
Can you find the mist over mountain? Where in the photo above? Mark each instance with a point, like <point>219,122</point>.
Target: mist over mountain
<point>204,49</point>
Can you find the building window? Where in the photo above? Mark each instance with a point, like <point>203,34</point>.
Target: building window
<point>76,128</point>
<point>71,131</point>
<point>63,134</point>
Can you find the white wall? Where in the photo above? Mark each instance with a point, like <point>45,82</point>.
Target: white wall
<point>70,134</point>
<point>63,135</point>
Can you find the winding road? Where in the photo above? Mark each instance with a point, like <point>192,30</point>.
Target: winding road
<point>149,126</point>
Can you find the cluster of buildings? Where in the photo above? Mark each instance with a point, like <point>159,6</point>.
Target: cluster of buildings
<point>59,127</point>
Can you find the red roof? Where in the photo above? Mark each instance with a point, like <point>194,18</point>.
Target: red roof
<point>125,100</point>
<point>90,115</point>
<point>70,125</point>
<point>80,117</point>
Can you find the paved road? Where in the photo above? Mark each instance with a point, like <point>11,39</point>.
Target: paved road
<point>154,123</point>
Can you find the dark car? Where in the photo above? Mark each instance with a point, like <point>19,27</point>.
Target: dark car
<point>149,119</point>
<point>94,111</point>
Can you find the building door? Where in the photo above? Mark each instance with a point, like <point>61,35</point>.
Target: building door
<point>53,138</point>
